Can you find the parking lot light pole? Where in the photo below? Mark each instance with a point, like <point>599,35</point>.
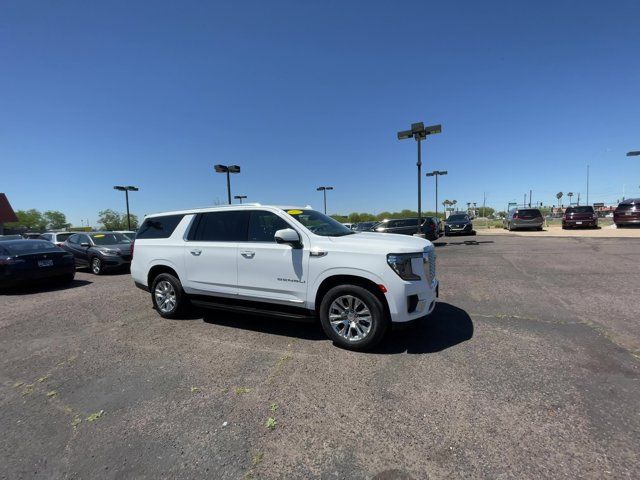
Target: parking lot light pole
<point>436,173</point>
<point>633,154</point>
<point>419,132</point>
<point>324,192</point>
<point>126,190</point>
<point>228,169</point>
<point>239,197</point>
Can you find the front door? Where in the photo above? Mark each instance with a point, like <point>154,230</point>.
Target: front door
<point>268,270</point>
<point>211,253</point>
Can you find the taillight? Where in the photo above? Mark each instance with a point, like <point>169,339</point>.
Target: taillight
<point>10,260</point>
<point>515,217</point>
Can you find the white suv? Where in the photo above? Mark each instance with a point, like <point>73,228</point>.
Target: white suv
<point>285,261</point>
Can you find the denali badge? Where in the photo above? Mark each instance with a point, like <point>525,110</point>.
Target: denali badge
<point>292,280</point>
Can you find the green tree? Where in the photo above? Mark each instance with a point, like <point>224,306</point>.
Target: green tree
<point>112,220</point>
<point>29,220</point>
<point>55,220</point>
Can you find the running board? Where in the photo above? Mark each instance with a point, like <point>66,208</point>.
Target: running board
<point>267,312</point>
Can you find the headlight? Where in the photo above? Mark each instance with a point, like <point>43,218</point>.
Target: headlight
<point>109,252</point>
<point>401,264</point>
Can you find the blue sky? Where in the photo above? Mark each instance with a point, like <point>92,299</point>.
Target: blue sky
<point>301,94</point>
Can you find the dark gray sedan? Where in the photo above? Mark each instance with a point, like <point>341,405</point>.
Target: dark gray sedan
<point>100,251</point>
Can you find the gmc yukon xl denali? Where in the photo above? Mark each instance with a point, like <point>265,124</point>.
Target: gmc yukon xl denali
<point>285,262</point>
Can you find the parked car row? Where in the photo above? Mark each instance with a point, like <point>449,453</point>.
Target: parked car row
<point>432,227</point>
<point>56,255</point>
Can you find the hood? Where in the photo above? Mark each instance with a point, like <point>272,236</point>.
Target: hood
<point>385,243</point>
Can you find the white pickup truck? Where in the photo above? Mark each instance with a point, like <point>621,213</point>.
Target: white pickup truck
<point>285,262</point>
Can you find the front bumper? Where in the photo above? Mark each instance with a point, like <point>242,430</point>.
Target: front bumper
<point>115,261</point>
<point>466,230</point>
<point>413,301</point>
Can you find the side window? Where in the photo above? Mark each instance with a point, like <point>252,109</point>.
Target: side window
<point>392,224</point>
<point>222,227</point>
<point>74,239</point>
<point>159,227</point>
<point>263,226</point>
<point>84,239</point>
<point>45,236</point>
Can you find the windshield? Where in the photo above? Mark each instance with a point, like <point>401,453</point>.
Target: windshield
<point>319,223</point>
<point>110,239</point>
<point>458,218</point>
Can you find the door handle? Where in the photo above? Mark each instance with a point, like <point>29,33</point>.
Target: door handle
<point>196,252</point>
<point>247,254</point>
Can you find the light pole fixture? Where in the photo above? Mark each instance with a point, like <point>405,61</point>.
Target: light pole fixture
<point>436,173</point>
<point>228,169</point>
<point>633,154</point>
<point>239,197</point>
<point>324,192</point>
<point>419,132</point>
<point>126,190</point>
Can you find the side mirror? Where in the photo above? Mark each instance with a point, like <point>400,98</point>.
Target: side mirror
<point>84,244</point>
<point>289,236</point>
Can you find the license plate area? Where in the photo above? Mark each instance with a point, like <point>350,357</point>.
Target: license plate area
<point>45,263</point>
<point>578,223</point>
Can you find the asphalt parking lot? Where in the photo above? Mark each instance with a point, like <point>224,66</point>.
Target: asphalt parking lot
<point>529,368</point>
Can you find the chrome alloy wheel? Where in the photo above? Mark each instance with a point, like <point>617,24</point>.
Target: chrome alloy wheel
<point>165,296</point>
<point>96,266</point>
<point>350,318</point>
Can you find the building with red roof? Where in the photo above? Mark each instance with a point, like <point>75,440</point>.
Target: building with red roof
<point>6,212</point>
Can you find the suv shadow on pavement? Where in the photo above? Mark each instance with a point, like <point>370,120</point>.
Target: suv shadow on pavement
<point>304,329</point>
<point>446,327</point>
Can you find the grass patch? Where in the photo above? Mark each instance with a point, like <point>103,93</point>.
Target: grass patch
<point>95,416</point>
<point>241,390</point>
<point>271,423</point>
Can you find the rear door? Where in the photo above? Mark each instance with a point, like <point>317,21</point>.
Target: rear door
<point>268,270</point>
<point>211,252</point>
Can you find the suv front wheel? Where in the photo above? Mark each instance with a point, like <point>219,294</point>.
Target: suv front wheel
<point>353,317</point>
<point>167,295</point>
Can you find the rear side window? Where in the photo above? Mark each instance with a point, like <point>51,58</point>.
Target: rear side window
<point>221,227</point>
<point>61,237</point>
<point>264,225</point>
<point>159,227</point>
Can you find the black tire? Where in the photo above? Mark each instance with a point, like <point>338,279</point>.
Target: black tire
<point>539,229</point>
<point>96,267</point>
<point>180,301</point>
<point>619,225</point>
<point>379,323</point>
<point>509,227</point>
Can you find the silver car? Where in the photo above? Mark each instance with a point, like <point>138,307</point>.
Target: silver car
<point>523,218</point>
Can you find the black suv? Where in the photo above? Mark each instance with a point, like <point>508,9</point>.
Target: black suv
<point>409,226</point>
<point>458,224</point>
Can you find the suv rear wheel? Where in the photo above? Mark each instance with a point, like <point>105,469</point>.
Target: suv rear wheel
<point>167,295</point>
<point>353,317</point>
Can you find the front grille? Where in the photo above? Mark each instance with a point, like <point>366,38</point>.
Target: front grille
<point>430,266</point>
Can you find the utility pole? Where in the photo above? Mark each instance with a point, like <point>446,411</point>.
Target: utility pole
<point>529,198</point>
<point>484,201</point>
<point>525,201</point>
<point>587,184</point>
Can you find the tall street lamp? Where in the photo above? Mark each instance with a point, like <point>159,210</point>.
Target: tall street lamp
<point>419,132</point>
<point>228,169</point>
<point>437,173</point>
<point>239,197</point>
<point>324,192</point>
<point>126,191</point>
<point>633,154</point>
